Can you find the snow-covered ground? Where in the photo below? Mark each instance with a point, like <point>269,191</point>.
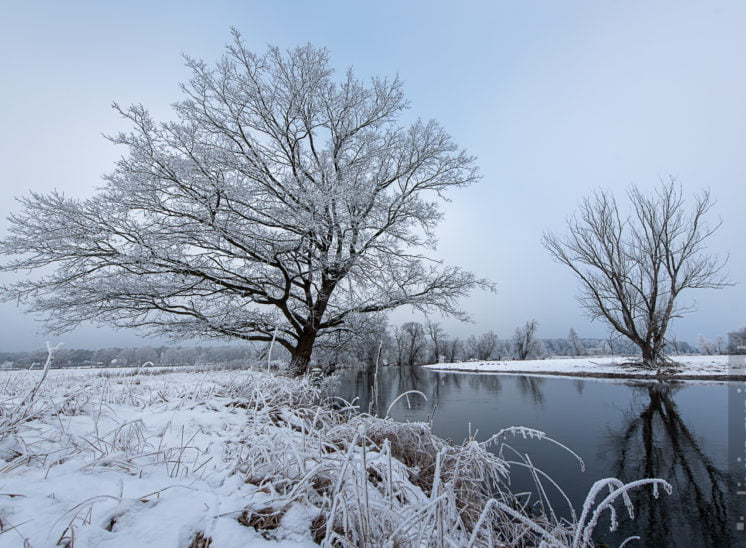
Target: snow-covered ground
<point>127,459</point>
<point>220,458</point>
<point>686,367</point>
<point>177,457</point>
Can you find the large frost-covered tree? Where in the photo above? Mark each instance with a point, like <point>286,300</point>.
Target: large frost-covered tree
<point>282,201</point>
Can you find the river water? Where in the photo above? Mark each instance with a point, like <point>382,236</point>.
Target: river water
<point>625,429</point>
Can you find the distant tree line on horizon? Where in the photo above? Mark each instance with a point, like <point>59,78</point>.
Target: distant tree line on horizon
<point>411,343</point>
<point>135,356</point>
<point>416,343</point>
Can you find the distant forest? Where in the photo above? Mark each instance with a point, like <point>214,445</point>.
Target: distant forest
<point>412,343</point>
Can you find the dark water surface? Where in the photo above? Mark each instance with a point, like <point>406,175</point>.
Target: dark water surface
<point>629,430</point>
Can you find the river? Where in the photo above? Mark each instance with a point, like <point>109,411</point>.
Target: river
<point>626,429</point>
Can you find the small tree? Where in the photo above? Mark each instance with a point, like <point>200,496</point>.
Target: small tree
<point>575,343</point>
<point>470,347</point>
<point>437,339</point>
<point>633,268</point>
<point>705,345</point>
<point>737,341</point>
<point>371,342</point>
<point>282,200</point>
<point>612,342</point>
<point>525,343</point>
<point>413,343</point>
<point>675,345</point>
<point>486,345</point>
<point>451,349</point>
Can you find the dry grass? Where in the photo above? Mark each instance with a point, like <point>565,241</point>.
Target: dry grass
<point>361,480</point>
<point>200,541</point>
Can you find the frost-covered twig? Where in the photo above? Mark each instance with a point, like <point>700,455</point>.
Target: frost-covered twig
<point>20,412</point>
<point>403,395</point>
<point>585,525</point>
<point>50,360</point>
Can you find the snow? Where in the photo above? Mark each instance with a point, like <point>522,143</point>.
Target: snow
<point>686,367</point>
<point>164,457</point>
<point>145,465</point>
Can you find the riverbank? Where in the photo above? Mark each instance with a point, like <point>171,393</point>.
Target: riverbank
<point>703,368</point>
<point>221,459</point>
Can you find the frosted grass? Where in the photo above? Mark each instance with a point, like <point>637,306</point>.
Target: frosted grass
<point>182,457</point>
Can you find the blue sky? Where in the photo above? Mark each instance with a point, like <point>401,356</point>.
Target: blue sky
<point>555,99</point>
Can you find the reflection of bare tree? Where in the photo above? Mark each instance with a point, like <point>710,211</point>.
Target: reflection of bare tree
<point>414,374</point>
<point>579,386</point>
<point>532,387</point>
<point>452,379</point>
<point>657,443</point>
<point>490,383</point>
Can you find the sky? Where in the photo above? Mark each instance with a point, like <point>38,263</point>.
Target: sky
<point>555,99</point>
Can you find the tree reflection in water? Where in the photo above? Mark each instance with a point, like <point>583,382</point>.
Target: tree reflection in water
<point>392,382</point>
<point>532,387</point>
<point>655,442</point>
<point>652,440</point>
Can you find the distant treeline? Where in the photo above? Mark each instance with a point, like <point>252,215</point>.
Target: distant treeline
<point>423,343</point>
<point>411,343</point>
<point>123,357</point>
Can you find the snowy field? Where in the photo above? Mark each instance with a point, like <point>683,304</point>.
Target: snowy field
<point>686,367</point>
<point>126,459</point>
<point>197,458</point>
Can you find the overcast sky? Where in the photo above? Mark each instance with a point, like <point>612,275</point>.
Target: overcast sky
<point>554,98</point>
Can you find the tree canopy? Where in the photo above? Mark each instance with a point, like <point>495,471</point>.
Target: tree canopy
<point>282,201</point>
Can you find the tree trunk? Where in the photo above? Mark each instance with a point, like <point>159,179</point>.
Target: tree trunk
<point>301,356</point>
<point>651,356</point>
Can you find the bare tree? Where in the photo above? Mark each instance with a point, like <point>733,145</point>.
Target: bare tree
<point>575,343</point>
<point>737,341</point>
<point>437,339</point>
<point>413,343</point>
<point>525,343</point>
<point>675,345</point>
<point>720,346</point>
<point>611,341</point>
<point>371,342</point>
<point>398,337</point>
<point>282,197</point>
<point>470,348</point>
<point>633,268</point>
<point>486,344</point>
<point>451,349</point>
<point>704,345</point>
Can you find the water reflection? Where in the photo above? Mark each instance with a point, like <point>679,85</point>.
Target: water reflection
<point>675,432</point>
<point>532,387</point>
<point>656,442</point>
<point>579,386</point>
<point>489,383</point>
<point>392,382</point>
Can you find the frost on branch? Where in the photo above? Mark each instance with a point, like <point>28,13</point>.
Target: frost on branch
<point>282,199</point>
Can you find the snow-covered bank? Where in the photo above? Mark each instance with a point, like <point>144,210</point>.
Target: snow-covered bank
<point>239,458</point>
<point>685,368</point>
